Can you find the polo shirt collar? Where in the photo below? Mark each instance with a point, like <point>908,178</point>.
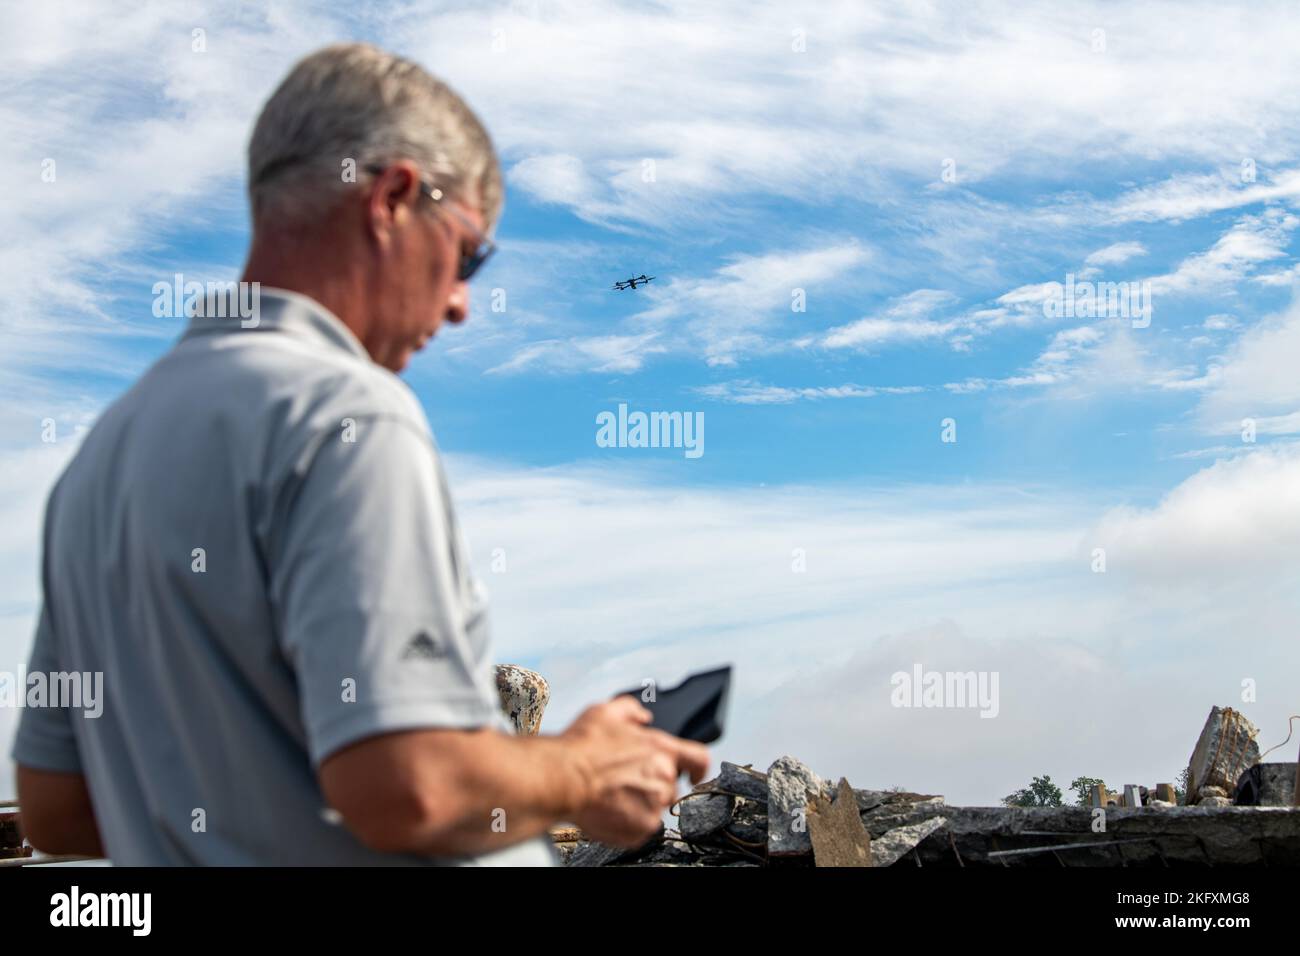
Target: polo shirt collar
<point>279,310</point>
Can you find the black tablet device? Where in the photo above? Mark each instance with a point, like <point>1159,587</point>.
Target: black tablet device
<point>694,709</point>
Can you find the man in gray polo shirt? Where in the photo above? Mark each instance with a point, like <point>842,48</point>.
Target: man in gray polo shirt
<point>257,549</point>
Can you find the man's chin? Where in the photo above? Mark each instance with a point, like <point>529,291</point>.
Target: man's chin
<point>398,361</point>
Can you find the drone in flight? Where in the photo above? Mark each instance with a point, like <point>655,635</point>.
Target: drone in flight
<point>631,283</point>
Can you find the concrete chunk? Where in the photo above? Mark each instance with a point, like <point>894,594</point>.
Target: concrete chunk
<point>890,847</point>
<point>1224,750</point>
<point>790,785</point>
<point>744,781</point>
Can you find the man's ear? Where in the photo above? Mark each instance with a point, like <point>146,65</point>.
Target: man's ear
<point>391,199</point>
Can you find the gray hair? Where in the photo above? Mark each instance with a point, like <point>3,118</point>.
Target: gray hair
<point>351,106</point>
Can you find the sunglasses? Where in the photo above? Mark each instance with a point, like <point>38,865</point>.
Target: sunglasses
<point>472,261</point>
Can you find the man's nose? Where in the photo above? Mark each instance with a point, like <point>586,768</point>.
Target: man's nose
<point>458,303</point>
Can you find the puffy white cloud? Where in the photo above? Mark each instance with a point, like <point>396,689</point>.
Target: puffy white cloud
<point>1257,378</point>
<point>1233,523</point>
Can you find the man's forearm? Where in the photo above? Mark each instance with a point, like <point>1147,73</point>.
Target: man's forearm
<point>508,789</point>
<point>57,815</point>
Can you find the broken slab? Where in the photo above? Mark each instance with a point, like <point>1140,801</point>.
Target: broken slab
<point>890,847</point>
<point>872,799</point>
<point>835,830</point>
<point>790,785</point>
<point>1224,750</point>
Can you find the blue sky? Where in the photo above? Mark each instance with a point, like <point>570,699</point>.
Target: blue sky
<point>792,148</point>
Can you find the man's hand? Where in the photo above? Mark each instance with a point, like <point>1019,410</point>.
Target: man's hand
<point>630,771</point>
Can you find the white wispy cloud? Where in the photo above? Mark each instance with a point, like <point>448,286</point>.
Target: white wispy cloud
<point>599,353</point>
<point>857,87</point>
<point>742,308</point>
<point>749,392</point>
<point>125,137</point>
<point>1188,195</point>
<point>907,319</point>
<point>1251,240</point>
<point>1116,253</point>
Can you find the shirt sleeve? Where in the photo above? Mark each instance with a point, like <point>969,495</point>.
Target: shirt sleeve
<point>371,604</point>
<point>45,738</point>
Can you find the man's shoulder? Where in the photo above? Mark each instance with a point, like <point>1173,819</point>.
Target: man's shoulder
<point>261,403</point>
<point>281,383</point>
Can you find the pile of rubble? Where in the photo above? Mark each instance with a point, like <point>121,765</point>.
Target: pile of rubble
<point>789,816</point>
<point>747,818</point>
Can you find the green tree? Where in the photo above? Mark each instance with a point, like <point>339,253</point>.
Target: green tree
<point>1041,793</point>
<point>1081,787</point>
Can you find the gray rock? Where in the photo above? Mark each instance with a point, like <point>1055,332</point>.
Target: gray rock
<point>704,814</point>
<point>789,786</point>
<point>744,781</point>
<point>1214,802</point>
<point>889,847</point>
<point>1267,785</point>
